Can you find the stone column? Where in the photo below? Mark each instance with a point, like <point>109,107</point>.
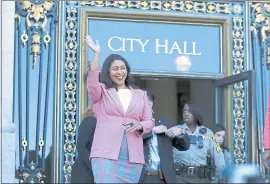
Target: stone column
<point>8,128</point>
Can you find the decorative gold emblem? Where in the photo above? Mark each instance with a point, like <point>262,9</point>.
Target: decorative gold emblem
<point>70,127</point>
<point>36,17</point>
<point>35,49</point>
<point>36,12</point>
<point>167,5</point>
<point>25,175</point>
<point>261,18</point>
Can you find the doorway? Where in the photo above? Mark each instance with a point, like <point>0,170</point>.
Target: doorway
<point>172,93</point>
<point>228,101</point>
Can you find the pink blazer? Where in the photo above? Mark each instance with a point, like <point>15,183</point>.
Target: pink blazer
<point>266,137</point>
<point>110,118</point>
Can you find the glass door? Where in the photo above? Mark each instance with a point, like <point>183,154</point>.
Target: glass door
<point>234,107</point>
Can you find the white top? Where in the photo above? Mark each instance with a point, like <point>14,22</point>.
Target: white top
<point>125,97</point>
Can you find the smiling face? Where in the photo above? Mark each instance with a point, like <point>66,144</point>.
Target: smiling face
<point>118,73</point>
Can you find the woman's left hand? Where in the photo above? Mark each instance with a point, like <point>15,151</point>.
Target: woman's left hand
<point>94,46</point>
<point>133,126</point>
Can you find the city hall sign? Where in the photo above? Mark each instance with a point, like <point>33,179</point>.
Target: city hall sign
<point>160,45</point>
<point>118,44</point>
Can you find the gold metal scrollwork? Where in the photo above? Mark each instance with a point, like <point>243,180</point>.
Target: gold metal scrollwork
<point>40,176</point>
<point>70,127</point>
<point>36,12</point>
<point>36,17</point>
<point>167,5</point>
<point>35,49</point>
<point>25,175</point>
<point>260,17</point>
<point>144,4</point>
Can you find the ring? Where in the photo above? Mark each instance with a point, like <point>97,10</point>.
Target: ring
<point>131,124</point>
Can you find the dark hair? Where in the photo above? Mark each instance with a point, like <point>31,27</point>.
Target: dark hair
<point>105,71</point>
<point>218,128</point>
<point>150,95</point>
<point>196,115</point>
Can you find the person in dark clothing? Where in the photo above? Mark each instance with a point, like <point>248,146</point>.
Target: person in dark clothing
<point>82,170</point>
<point>159,166</point>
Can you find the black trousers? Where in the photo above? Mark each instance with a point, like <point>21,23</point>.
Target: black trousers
<point>152,179</point>
<point>186,178</point>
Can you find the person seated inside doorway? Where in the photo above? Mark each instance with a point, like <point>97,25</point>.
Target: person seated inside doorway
<point>201,161</point>
<point>219,134</point>
<point>82,170</point>
<point>159,167</point>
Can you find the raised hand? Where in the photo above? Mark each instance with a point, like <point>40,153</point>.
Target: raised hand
<point>94,46</point>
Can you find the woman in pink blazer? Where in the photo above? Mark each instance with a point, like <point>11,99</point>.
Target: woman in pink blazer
<point>266,137</point>
<point>123,116</point>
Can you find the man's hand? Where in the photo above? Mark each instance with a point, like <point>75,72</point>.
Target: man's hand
<point>174,132</point>
<point>159,129</point>
<point>267,158</point>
